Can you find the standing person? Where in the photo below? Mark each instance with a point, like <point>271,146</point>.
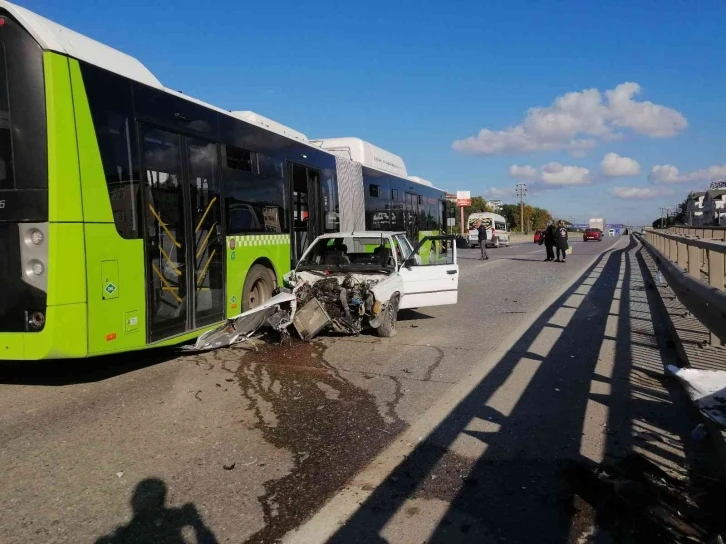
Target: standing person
<point>561,242</point>
<point>549,236</point>
<point>482,232</point>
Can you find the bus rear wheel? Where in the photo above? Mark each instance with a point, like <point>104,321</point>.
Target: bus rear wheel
<point>259,284</point>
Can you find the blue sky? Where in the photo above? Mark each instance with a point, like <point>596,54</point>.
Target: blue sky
<point>415,77</point>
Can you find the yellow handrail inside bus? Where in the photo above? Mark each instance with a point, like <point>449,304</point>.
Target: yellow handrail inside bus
<point>166,283</point>
<point>163,226</point>
<point>204,216</point>
<point>171,263</point>
<point>204,270</point>
<point>206,239</point>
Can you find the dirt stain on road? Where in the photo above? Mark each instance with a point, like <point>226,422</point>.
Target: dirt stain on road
<point>332,428</point>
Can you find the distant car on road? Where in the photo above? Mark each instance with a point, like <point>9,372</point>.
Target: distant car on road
<point>538,235</point>
<point>592,234</point>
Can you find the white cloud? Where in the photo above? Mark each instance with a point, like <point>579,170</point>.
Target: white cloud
<point>639,193</point>
<point>497,193</point>
<point>662,174</point>
<point>552,174</point>
<point>523,172</point>
<point>578,122</point>
<point>615,166</point>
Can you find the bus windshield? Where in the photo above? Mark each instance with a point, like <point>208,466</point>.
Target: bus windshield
<point>6,143</point>
<point>23,136</point>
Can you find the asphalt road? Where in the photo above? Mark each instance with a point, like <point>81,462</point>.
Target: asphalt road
<point>246,444</point>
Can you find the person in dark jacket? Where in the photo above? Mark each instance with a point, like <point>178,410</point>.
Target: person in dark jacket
<point>482,232</point>
<point>549,241</point>
<point>561,242</point>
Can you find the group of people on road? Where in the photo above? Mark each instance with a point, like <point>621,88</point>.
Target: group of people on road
<point>555,237</point>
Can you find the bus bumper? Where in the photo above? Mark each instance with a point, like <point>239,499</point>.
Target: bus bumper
<point>64,337</point>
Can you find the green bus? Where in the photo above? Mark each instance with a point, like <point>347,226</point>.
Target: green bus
<point>133,216</point>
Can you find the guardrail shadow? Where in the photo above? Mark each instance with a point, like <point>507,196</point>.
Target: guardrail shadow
<point>525,423</point>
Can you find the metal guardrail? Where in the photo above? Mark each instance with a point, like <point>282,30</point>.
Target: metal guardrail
<point>695,269</point>
<point>710,233</point>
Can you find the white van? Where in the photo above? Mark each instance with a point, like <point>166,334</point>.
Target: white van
<point>498,230</point>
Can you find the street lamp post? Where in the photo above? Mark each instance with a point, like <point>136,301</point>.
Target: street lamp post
<point>521,192</point>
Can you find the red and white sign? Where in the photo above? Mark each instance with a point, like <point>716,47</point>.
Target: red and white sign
<point>463,198</point>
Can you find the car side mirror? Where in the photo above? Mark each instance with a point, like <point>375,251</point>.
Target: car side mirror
<point>409,262</point>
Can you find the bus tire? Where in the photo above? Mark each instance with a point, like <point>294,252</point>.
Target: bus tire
<point>258,287</point>
<point>387,328</point>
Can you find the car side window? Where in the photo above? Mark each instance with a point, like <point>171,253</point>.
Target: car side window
<point>436,252</point>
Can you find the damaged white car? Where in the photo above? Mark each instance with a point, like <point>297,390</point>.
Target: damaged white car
<point>345,282</point>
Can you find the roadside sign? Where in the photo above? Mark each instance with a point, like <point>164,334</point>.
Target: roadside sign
<point>450,222</point>
<point>463,198</point>
<point>451,198</point>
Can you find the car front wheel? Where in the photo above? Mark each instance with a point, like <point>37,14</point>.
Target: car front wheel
<point>387,329</point>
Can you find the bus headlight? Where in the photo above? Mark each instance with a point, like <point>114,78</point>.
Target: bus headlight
<point>36,237</point>
<point>35,268</point>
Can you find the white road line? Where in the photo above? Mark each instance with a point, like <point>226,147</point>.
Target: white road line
<point>323,525</point>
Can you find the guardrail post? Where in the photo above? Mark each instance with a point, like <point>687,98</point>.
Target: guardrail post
<point>673,250</point>
<point>716,280</point>
<point>694,261</point>
<point>682,254</point>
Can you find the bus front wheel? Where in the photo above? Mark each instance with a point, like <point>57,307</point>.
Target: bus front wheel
<point>258,287</point>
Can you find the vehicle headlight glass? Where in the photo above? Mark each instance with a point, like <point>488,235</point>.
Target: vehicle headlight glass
<point>36,237</point>
<point>37,267</point>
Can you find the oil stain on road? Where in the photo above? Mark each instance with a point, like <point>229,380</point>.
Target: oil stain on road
<point>332,428</point>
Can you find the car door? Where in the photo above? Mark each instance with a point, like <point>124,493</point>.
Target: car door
<point>433,281</point>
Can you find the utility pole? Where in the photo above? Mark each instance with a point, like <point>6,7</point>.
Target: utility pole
<point>521,193</point>
<point>662,214</point>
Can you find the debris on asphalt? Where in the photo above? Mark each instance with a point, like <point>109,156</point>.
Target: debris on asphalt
<point>119,474</point>
<point>240,328</point>
<point>229,467</point>
<point>636,501</point>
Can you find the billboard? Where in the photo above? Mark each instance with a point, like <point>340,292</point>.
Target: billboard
<point>463,198</point>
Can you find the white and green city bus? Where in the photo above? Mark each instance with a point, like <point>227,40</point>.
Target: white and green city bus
<point>132,215</point>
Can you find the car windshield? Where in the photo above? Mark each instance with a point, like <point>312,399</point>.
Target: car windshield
<point>351,253</point>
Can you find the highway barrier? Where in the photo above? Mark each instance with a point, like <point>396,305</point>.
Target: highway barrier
<point>710,233</point>
<point>694,268</point>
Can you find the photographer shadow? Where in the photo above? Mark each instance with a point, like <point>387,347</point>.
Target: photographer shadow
<point>154,522</point>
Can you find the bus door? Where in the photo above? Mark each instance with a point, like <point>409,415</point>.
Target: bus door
<point>411,217</point>
<point>307,216</point>
<point>184,243</point>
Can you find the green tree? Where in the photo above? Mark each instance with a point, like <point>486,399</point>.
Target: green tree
<point>511,214</point>
<point>478,204</point>
<point>540,218</point>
